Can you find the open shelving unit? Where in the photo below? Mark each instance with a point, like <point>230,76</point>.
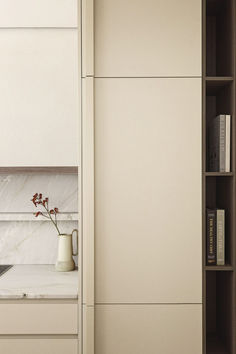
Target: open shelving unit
<point>218,90</point>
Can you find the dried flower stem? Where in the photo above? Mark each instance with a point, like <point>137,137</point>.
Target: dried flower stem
<point>38,200</point>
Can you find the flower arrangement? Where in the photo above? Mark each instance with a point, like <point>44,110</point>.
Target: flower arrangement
<point>48,213</point>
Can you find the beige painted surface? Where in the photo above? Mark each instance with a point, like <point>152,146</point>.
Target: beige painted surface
<point>39,97</point>
<point>148,190</point>
<point>88,329</point>
<point>88,190</point>
<point>38,318</point>
<point>38,13</point>
<point>149,329</point>
<point>147,38</point>
<point>38,346</point>
<point>87,38</point>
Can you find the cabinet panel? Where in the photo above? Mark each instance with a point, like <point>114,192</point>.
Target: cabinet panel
<point>39,98</point>
<point>38,13</point>
<point>147,38</point>
<point>38,346</point>
<point>38,318</point>
<point>148,329</point>
<point>148,190</point>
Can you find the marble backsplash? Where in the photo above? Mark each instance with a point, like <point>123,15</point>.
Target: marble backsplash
<point>25,239</point>
<point>17,190</point>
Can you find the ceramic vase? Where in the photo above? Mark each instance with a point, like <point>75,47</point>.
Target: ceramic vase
<point>65,262</point>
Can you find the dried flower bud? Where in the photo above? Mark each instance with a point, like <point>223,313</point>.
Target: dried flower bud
<point>38,213</point>
<point>56,210</point>
<point>33,200</point>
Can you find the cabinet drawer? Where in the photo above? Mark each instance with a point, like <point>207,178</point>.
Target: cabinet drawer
<point>38,319</point>
<point>38,346</point>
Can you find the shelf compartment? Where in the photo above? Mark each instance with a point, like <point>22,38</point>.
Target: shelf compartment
<point>219,37</point>
<point>219,102</point>
<point>219,304</point>
<point>214,84</point>
<point>219,194</point>
<point>215,346</point>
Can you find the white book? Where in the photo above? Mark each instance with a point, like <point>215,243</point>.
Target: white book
<point>227,143</point>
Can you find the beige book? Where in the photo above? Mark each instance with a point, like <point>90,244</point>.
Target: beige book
<point>220,237</point>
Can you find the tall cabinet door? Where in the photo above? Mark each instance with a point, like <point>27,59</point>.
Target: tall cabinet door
<point>148,251</point>
<point>148,191</point>
<point>148,203</point>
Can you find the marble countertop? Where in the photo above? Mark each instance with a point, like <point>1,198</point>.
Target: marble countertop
<point>38,282</point>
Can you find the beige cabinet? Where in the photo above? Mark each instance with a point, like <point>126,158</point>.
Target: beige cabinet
<point>38,318</point>
<point>38,346</point>
<point>148,190</point>
<point>39,326</point>
<point>38,13</point>
<point>39,97</point>
<point>147,38</point>
<point>149,329</point>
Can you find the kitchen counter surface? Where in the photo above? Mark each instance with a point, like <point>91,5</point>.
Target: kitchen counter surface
<point>38,282</point>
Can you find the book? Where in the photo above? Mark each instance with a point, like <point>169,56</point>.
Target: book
<point>227,143</point>
<point>220,236</point>
<point>211,236</point>
<point>219,144</point>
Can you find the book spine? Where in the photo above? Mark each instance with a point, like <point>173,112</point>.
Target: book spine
<point>214,145</point>
<point>220,231</point>
<point>227,142</point>
<point>212,148</point>
<point>222,143</point>
<point>211,237</point>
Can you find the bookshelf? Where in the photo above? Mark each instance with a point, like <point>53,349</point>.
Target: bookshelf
<point>219,291</point>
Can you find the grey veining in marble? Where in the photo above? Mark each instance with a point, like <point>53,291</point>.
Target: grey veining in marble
<point>16,190</point>
<point>29,242</point>
<point>38,282</point>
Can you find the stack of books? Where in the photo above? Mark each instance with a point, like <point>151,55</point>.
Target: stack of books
<point>215,236</point>
<point>219,144</point>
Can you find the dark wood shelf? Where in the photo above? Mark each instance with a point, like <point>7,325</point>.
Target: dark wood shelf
<point>219,78</point>
<point>216,268</point>
<point>214,84</point>
<point>218,174</point>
